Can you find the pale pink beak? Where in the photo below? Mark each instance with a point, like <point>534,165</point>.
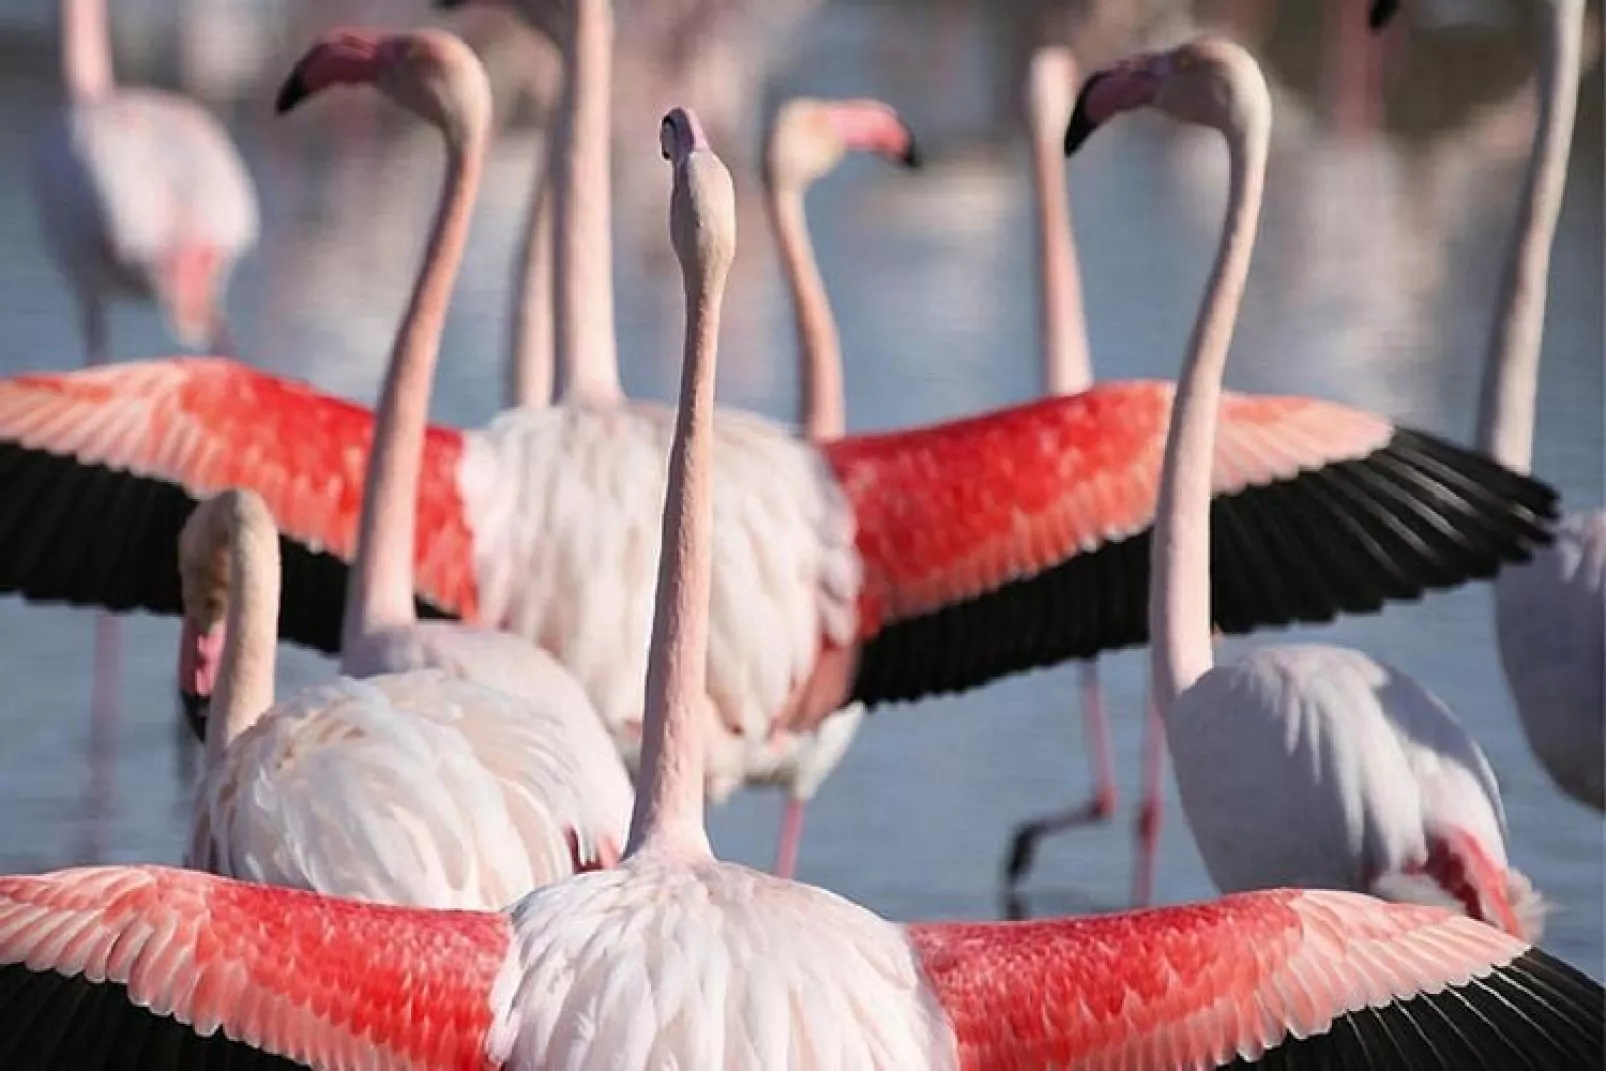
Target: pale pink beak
<point>199,654</point>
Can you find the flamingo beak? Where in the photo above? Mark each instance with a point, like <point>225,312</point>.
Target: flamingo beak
<point>912,157</point>
<point>196,708</point>
<point>1082,123</point>
<point>1382,11</point>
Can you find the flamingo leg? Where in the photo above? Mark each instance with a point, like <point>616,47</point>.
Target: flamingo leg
<point>1098,808</point>
<point>1150,810</point>
<point>791,833</point>
<point>107,651</point>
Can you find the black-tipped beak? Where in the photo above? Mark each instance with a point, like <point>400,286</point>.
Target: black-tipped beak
<point>1081,125</point>
<point>1382,11</point>
<point>293,92</point>
<point>912,157</point>
<point>449,5</point>
<point>196,708</point>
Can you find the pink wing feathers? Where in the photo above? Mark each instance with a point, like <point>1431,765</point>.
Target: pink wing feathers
<point>200,425</point>
<point>1338,979</point>
<point>95,963</point>
<point>1020,539</point>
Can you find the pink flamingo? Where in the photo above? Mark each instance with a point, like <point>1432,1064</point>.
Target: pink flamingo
<point>1550,613</point>
<point>869,568</point>
<point>140,194</point>
<point>411,788</point>
<point>1296,765</point>
<point>677,959</point>
<point>807,138</point>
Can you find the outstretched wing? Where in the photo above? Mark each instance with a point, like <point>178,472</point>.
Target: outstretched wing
<point>1020,539</point>
<point>1279,979</point>
<point>147,967</point>
<point>102,465</point>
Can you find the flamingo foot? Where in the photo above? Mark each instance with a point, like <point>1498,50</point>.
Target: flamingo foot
<point>791,833</point>
<point>1023,847</point>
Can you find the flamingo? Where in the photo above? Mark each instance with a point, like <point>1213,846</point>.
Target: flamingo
<point>1299,764</point>
<point>411,788</point>
<point>1550,614</point>
<point>807,138</point>
<point>140,193</point>
<point>380,633</point>
<point>678,959</point>
<point>870,568</point>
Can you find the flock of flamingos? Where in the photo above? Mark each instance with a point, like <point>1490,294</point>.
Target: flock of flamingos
<point>483,845</point>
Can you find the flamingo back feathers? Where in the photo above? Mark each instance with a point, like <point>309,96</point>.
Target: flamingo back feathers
<point>118,967</point>
<point>192,427</point>
<point>1258,977</point>
<point>1020,539</point>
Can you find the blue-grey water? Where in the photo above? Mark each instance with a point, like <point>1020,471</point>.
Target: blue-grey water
<point>1371,285</point>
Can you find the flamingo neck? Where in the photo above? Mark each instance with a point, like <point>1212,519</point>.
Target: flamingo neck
<point>244,690</point>
<point>1067,363</point>
<point>1179,592</point>
<point>822,409</point>
<point>1511,367</point>
<point>530,356</point>
<point>669,804</point>
<point>381,589</point>
<point>86,49</point>
<point>588,363</point>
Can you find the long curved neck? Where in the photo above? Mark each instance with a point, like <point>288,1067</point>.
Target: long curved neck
<point>669,804</point>
<point>1067,364</point>
<point>381,588</point>
<point>588,362</point>
<point>1179,592</point>
<point>244,689</point>
<point>86,49</point>
<point>822,409</point>
<point>530,342</point>
<point>1511,368</point>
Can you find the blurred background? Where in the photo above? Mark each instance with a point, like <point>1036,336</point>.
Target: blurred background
<point>1391,194</point>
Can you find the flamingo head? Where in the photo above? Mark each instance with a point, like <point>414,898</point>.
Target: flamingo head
<point>702,207</point>
<point>808,137</point>
<point>431,73</point>
<point>1208,81</point>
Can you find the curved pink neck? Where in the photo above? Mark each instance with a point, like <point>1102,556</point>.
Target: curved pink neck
<point>86,49</point>
<point>530,342</point>
<point>822,407</point>
<point>669,800</point>
<point>380,591</point>
<point>1511,368</point>
<point>588,362</point>
<point>1179,592</point>
<point>1067,363</point>
<point>244,690</point>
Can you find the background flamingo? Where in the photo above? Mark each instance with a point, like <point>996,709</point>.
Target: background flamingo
<point>871,568</point>
<point>410,788</point>
<point>1550,615</point>
<point>614,969</point>
<point>1297,765</point>
<point>140,194</point>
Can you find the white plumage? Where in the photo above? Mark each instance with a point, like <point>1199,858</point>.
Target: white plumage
<point>1550,618</point>
<point>589,484</point>
<point>411,788</point>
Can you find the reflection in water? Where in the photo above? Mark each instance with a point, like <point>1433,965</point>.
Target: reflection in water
<point>1378,260</point>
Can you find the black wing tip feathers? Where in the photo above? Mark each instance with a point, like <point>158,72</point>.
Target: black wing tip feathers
<point>1418,514</point>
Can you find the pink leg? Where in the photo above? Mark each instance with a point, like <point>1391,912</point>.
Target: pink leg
<point>1149,811</point>
<point>791,833</point>
<point>1102,803</point>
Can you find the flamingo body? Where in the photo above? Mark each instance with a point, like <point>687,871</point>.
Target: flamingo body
<point>412,788</point>
<point>1318,767</point>
<point>194,962</point>
<point>884,560</point>
<point>142,194</point>
<point>1550,620</point>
